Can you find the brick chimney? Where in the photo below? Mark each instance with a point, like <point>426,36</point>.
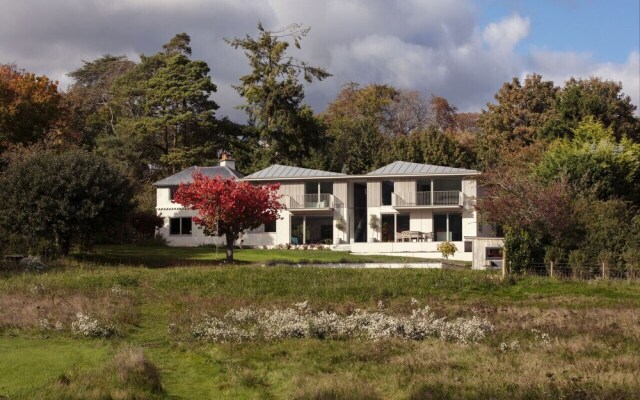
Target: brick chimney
<point>227,161</point>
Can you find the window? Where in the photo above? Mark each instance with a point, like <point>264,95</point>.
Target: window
<point>468,246</point>
<point>494,252</point>
<point>447,226</point>
<point>180,226</point>
<point>172,193</point>
<point>387,190</point>
<point>447,184</point>
<point>270,227</point>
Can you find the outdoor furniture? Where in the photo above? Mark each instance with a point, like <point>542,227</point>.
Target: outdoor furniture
<point>410,236</point>
<point>427,236</point>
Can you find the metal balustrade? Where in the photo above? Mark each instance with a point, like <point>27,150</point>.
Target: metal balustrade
<point>435,198</point>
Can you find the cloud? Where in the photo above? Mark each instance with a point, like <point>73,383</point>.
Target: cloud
<point>505,34</point>
<point>434,46</point>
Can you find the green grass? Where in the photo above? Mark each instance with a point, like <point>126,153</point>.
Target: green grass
<point>161,256</point>
<point>594,326</point>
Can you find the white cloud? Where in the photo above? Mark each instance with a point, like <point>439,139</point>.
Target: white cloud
<point>435,46</point>
<point>505,34</point>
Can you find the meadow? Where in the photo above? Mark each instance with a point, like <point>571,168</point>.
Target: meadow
<point>549,338</point>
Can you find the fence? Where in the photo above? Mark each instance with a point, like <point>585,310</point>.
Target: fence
<point>591,270</point>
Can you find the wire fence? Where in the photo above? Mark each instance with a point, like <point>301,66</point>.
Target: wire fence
<point>583,272</point>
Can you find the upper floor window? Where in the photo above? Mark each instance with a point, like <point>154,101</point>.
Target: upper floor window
<point>172,192</point>
<point>447,184</point>
<point>318,188</point>
<point>387,190</point>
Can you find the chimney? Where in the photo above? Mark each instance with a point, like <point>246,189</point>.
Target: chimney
<point>227,161</point>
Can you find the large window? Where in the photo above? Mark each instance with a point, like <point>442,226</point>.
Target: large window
<point>180,226</point>
<point>392,225</point>
<point>387,190</point>
<point>447,226</point>
<point>318,188</point>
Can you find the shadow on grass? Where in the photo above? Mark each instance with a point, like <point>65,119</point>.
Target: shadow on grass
<point>149,261</point>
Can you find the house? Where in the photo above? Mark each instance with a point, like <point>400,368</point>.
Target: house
<point>402,208</point>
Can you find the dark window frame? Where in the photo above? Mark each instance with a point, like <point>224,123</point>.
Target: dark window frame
<point>184,226</point>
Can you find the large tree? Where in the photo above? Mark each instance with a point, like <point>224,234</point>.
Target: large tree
<point>90,99</point>
<point>167,115</point>
<point>62,199</point>
<point>516,119</point>
<point>29,106</point>
<point>274,95</point>
<point>228,208</point>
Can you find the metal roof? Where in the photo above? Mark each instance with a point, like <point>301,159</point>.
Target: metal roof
<point>285,171</point>
<point>409,168</point>
<point>186,175</point>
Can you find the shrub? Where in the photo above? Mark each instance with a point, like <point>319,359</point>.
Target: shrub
<point>447,249</point>
<point>134,369</point>
<point>84,325</point>
<point>63,199</point>
<point>302,322</point>
<point>578,264</point>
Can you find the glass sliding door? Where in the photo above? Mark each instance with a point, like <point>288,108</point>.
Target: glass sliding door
<point>447,227</point>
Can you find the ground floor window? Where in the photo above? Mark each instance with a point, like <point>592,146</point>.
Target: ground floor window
<point>270,227</point>
<point>180,226</point>
<point>392,225</point>
<point>447,226</point>
<point>311,230</point>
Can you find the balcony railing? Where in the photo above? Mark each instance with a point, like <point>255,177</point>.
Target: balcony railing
<point>309,201</point>
<point>435,198</point>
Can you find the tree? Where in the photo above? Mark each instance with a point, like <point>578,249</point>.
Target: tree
<point>90,98</point>
<point>517,118</point>
<point>593,163</point>
<point>29,106</point>
<point>444,114</point>
<point>601,99</point>
<point>167,114</point>
<point>273,94</point>
<point>62,199</point>
<point>227,207</point>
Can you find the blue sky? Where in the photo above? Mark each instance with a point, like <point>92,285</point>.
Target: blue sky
<point>607,29</point>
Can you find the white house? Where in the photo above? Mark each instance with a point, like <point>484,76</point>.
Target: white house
<point>402,208</point>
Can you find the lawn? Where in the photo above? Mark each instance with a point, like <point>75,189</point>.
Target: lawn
<point>551,338</point>
<point>162,256</point>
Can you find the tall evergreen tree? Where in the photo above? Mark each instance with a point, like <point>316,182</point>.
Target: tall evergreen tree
<point>273,93</point>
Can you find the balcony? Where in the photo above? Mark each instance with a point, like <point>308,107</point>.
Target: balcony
<point>309,202</point>
<point>434,199</point>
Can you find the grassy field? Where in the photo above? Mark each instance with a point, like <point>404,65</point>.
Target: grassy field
<point>551,338</point>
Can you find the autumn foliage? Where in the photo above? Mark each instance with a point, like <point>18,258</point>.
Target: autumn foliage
<point>227,207</point>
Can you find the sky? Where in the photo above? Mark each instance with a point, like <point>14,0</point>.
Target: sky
<point>463,50</point>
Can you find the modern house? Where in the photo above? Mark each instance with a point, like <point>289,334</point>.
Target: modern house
<point>402,208</point>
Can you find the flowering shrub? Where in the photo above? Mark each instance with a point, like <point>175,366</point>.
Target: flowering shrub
<point>85,326</point>
<point>300,321</point>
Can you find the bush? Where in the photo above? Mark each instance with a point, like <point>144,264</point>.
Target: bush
<point>134,369</point>
<point>62,199</point>
<point>447,249</point>
<point>578,264</point>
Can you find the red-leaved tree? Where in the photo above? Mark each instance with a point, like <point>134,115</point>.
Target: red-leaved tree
<point>227,207</point>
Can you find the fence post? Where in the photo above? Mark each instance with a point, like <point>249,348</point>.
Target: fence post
<point>603,271</point>
<point>551,271</point>
<point>504,263</point>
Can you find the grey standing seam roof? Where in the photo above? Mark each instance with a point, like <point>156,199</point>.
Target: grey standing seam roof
<point>409,168</point>
<point>186,175</point>
<point>285,171</point>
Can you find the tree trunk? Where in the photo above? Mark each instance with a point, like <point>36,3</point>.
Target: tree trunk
<point>230,239</point>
